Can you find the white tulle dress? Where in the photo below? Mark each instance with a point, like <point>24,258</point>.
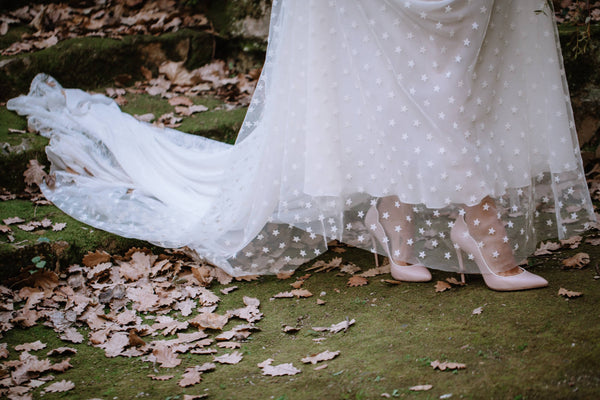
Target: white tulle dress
<point>439,103</point>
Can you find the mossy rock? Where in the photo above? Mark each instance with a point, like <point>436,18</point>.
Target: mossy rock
<point>59,249</point>
<point>92,62</point>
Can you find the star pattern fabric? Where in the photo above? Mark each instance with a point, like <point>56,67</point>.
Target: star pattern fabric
<point>437,104</point>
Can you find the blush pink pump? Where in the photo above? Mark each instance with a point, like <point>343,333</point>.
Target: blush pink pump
<point>407,273</point>
<point>524,280</point>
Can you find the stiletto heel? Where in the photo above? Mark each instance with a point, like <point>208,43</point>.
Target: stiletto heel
<point>461,267</point>
<point>375,253</point>
<point>521,281</point>
<point>408,273</point>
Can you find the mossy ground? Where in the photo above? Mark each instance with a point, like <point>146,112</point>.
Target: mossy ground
<point>524,345</point>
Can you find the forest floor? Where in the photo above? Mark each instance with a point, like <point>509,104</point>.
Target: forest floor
<point>127,324</point>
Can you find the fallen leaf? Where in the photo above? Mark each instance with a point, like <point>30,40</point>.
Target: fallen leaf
<point>568,293</point>
<point>357,280</point>
<point>190,377</point>
<point>578,261</point>
<point>454,282</point>
<point>441,286</point>
<point>323,356</point>
<point>442,366</point>
<point>228,290</point>
<point>34,174</point>
<point>280,275</point>
<point>72,335</point>
<point>384,269</point>
<point>59,226</point>
<point>62,366</point>
<point>278,370</point>
<point>160,377</point>
<point>321,302</point>
<point>209,321</point>
<point>165,356</point>
<point>420,388</point>
<point>546,248</point>
<point>301,293</point>
<point>477,311</point>
<point>62,386</point>
<point>33,346</point>
<point>61,351</point>
<point>290,329</point>
<point>181,101</point>
<point>95,258</point>
<point>391,281</point>
<point>232,358</point>
<point>573,242</point>
<point>13,220</point>
<point>335,328</point>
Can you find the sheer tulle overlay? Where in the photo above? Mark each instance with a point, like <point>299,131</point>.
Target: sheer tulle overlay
<point>433,104</point>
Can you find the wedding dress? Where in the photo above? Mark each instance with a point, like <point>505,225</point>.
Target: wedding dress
<point>439,103</point>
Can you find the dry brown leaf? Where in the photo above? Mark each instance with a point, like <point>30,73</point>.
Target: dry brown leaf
<point>62,386</point>
<point>283,295</point>
<point>34,174</point>
<point>278,370</point>
<point>165,356</point>
<point>573,242</point>
<point>578,261</point>
<point>114,346</point>
<point>297,284</point>
<point>335,328</point>
<point>4,353</point>
<point>321,302</point>
<point>593,241</point>
<point>62,366</point>
<point>186,307</point>
<point>349,268</point>
<point>446,365</point>
<point>357,280</point>
<point>209,321</point>
<point>72,335</point>
<point>477,311</point>
<point>135,340</point>
<point>33,346</point>
<point>301,293</point>
<point>280,275</point>
<point>13,220</point>
<point>323,356</point>
<point>229,345</point>
<point>181,101</point>
<point>160,377</point>
<point>228,290</point>
<point>290,329</point>
<point>384,269</point>
<point>441,286</point>
<point>95,258</point>
<point>190,377</point>
<point>547,248</point>
<point>391,281</point>
<point>59,226</point>
<point>568,293</point>
<point>420,388</point>
<point>61,351</point>
<point>232,358</point>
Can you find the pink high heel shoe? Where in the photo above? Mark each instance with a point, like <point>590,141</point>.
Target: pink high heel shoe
<point>407,273</point>
<point>524,280</point>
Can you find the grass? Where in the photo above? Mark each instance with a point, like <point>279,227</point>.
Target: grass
<point>530,345</point>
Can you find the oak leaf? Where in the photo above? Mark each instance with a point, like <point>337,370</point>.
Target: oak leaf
<point>323,356</point>
<point>34,174</point>
<point>301,293</point>
<point>160,377</point>
<point>13,220</point>
<point>33,346</point>
<point>441,286</point>
<point>165,356</point>
<point>62,386</point>
<point>62,350</point>
<point>95,258</point>
<point>72,335</point>
<point>228,290</point>
<point>232,358</point>
<point>420,388</point>
<point>190,377</point>
<point>114,346</point>
<point>546,248</point>
<point>62,366</point>
<point>578,261</point>
<point>568,293</point>
<point>278,370</point>
<point>209,321</point>
<point>573,242</point>
<point>442,366</point>
<point>357,280</point>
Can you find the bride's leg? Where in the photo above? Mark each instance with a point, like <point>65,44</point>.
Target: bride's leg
<point>396,219</point>
<point>486,227</point>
